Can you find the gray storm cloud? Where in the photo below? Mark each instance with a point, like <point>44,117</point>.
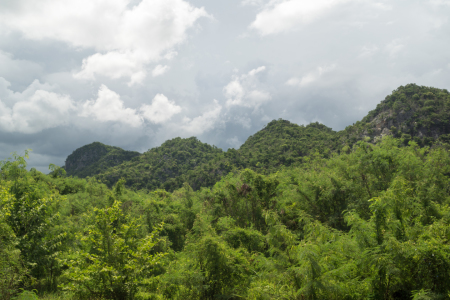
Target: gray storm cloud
<point>136,73</point>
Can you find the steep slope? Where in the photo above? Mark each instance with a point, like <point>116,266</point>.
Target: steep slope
<point>201,165</point>
<point>161,167</point>
<point>94,158</point>
<point>411,112</point>
<point>282,143</point>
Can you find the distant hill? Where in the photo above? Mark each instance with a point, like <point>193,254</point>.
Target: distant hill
<point>161,167</point>
<point>282,143</point>
<point>279,143</point>
<point>411,112</point>
<point>94,158</point>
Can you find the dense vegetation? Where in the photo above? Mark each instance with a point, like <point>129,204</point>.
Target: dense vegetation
<point>411,112</point>
<point>163,167</point>
<point>371,223</point>
<point>363,221</point>
<point>94,158</point>
<point>282,143</point>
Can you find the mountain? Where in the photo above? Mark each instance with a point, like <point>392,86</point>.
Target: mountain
<point>411,112</point>
<point>282,143</point>
<point>161,167</point>
<point>279,143</point>
<point>201,165</point>
<point>94,158</point>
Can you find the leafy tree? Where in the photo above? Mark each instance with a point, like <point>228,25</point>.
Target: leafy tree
<point>31,212</point>
<point>112,261</point>
<point>12,269</point>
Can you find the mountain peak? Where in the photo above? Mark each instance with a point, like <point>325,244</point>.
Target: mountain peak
<point>93,158</point>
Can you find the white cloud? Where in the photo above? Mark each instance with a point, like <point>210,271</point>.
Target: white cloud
<point>205,122</point>
<point>114,65</point>
<point>235,92</point>
<point>282,15</point>
<point>160,70</point>
<point>394,47</point>
<point>35,109</point>
<point>368,51</point>
<point>243,90</point>
<point>234,142</point>
<point>310,77</point>
<point>440,2</point>
<point>109,107</point>
<point>244,120</point>
<point>256,71</point>
<point>382,6</point>
<point>125,39</point>
<point>161,109</point>
<point>252,2</point>
<point>171,55</point>
<point>18,69</point>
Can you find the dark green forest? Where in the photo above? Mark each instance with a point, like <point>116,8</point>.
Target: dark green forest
<point>297,212</point>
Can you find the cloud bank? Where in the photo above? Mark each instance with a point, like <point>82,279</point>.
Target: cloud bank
<point>135,73</point>
<point>125,39</point>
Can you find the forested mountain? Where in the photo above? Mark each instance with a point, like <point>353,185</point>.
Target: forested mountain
<point>94,158</point>
<point>282,143</point>
<point>162,167</point>
<point>411,112</point>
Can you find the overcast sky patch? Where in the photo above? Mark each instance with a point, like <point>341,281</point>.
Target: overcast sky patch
<point>133,73</point>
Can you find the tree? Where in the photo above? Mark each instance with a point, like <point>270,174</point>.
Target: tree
<point>31,212</point>
<point>112,261</point>
<point>12,269</point>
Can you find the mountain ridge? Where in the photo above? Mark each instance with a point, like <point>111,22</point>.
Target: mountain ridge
<point>410,112</point>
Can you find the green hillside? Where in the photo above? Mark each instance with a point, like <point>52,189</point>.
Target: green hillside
<point>95,158</point>
<point>161,167</point>
<point>282,143</point>
<point>411,112</point>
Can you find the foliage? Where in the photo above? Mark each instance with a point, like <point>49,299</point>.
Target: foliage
<point>12,269</point>
<point>411,112</point>
<point>162,167</point>
<point>31,212</point>
<point>111,261</point>
<point>96,157</point>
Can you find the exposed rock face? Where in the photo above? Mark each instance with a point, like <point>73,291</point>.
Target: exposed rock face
<point>411,112</point>
<point>96,157</point>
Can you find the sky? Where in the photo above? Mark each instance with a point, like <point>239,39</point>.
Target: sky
<point>135,73</point>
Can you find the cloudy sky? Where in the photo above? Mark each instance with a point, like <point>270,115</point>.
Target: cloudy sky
<point>134,73</point>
